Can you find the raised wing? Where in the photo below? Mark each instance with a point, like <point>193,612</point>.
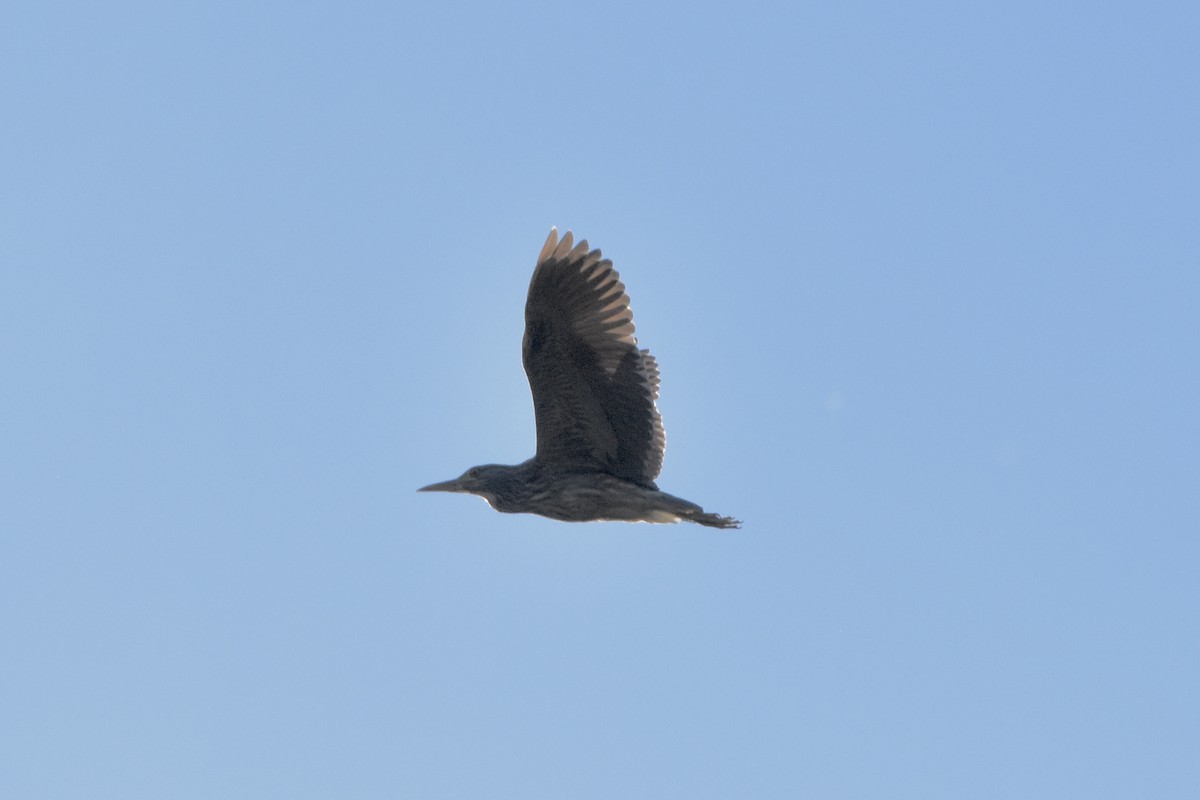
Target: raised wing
<point>593,389</point>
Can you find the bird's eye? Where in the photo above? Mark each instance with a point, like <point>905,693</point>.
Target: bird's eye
<point>473,472</point>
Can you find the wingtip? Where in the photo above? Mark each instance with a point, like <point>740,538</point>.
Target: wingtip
<point>564,245</point>
<point>580,250</point>
<point>548,247</point>
<point>565,249</point>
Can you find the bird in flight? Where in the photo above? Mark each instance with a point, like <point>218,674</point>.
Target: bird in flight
<point>600,438</point>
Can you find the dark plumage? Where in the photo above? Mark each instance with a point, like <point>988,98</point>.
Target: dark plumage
<point>600,439</point>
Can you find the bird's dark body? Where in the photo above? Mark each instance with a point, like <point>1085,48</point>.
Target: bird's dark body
<point>600,439</point>
<point>583,496</point>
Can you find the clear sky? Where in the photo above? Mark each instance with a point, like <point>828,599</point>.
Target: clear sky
<point>923,283</point>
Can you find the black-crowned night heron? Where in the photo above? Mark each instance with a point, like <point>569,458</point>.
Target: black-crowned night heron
<point>600,438</point>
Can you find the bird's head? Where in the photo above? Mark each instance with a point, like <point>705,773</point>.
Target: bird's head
<point>487,481</point>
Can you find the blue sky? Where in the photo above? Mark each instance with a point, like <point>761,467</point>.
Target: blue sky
<point>922,280</point>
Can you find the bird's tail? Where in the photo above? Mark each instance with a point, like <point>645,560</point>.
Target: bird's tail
<point>711,520</point>
<point>676,508</point>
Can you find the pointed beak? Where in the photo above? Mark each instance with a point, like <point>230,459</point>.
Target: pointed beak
<point>444,486</point>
